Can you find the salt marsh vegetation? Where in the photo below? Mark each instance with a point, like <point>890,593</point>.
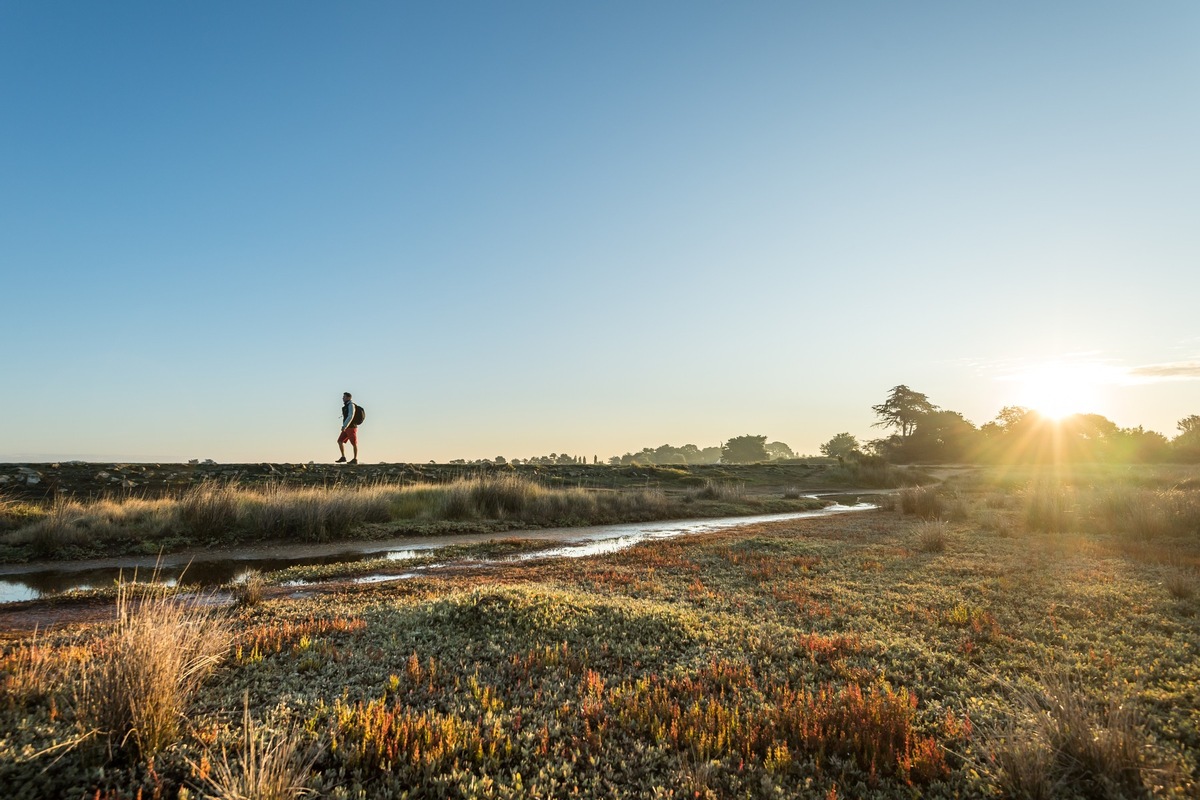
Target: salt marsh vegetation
<point>825,657</point>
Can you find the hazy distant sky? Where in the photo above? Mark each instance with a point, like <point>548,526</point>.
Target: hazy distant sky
<point>512,228</point>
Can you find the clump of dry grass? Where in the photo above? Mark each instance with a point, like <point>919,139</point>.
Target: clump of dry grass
<point>921,501</point>
<point>716,490</point>
<point>210,508</point>
<point>314,513</point>
<point>996,522</point>
<point>57,528</point>
<point>1050,507</point>
<point>27,672</point>
<point>1068,740</point>
<point>215,511</point>
<point>16,514</point>
<point>143,675</point>
<point>1132,513</point>
<point>1181,582</point>
<point>271,766</point>
<point>933,536</point>
<point>1148,514</point>
<point>513,497</point>
<point>500,497</point>
<point>250,588</point>
<point>68,523</point>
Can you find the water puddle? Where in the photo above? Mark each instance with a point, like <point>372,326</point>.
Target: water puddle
<point>32,582</point>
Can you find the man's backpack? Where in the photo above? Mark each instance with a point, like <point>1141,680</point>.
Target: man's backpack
<point>359,415</point>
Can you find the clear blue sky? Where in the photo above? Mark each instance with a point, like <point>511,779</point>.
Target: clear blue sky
<point>516,228</point>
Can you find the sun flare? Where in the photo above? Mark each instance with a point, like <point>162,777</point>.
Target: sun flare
<point>1057,390</point>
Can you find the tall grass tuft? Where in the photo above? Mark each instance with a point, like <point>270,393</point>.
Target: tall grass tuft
<point>1051,508</point>
<point>270,766</point>
<point>143,676</point>
<point>16,514</point>
<point>210,508</point>
<point>1132,513</point>
<point>503,496</point>
<point>1180,582</point>
<point>60,527</point>
<point>1096,749</point>
<point>922,501</point>
<point>933,536</point>
<point>250,588</point>
<point>27,673</point>
<point>715,490</point>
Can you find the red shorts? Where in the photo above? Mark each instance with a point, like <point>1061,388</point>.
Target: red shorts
<point>349,435</point>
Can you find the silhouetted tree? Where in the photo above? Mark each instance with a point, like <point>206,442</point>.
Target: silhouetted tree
<point>1186,446</point>
<point>776,450</point>
<point>843,445</point>
<point>744,450</point>
<point>940,435</point>
<point>1135,445</point>
<point>666,454</point>
<point>902,409</point>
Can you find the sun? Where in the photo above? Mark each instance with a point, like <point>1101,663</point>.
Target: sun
<point>1057,390</point>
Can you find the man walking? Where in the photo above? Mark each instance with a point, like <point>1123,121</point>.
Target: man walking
<point>349,430</point>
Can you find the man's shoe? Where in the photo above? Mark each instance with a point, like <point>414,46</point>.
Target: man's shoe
<point>341,460</point>
<point>352,461</point>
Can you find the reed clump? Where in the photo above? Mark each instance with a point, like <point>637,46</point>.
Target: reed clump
<point>16,514</point>
<point>1181,582</point>
<point>28,670</point>
<point>250,588</point>
<point>217,511</point>
<point>1068,740</point>
<point>922,501</point>
<point>271,765</point>
<point>142,676</point>
<point>1129,512</point>
<point>933,536</point>
<point>720,491</point>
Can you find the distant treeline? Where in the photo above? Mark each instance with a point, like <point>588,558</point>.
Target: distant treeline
<point>738,450</point>
<point>923,432</point>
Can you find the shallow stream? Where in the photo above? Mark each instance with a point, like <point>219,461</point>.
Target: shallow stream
<point>209,569</point>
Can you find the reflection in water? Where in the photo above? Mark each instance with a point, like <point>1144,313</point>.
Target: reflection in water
<point>34,585</point>
<point>571,543</point>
